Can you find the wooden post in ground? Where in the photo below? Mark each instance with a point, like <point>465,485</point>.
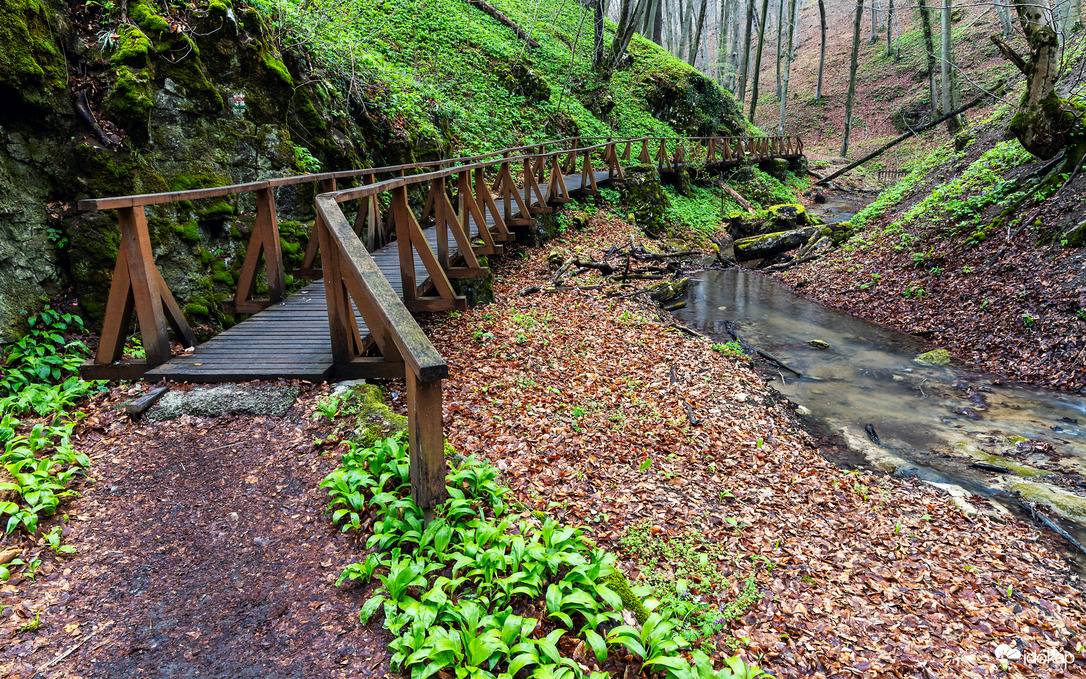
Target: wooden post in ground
<point>426,442</point>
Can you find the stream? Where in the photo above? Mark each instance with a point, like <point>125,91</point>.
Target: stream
<point>972,434</point>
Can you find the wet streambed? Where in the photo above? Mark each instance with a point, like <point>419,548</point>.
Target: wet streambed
<point>944,424</point>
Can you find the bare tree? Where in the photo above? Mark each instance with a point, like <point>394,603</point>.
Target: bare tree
<point>744,56</point>
<point>951,98</point>
<point>874,21</point>
<point>822,50</point>
<point>787,63</point>
<point>630,14</point>
<point>929,49</point>
<point>852,76</point>
<point>597,32</point>
<point>780,48</point>
<point>1004,13</point>
<point>758,61</point>
<point>693,56</point>
<point>890,29</point>
<point>1045,124</point>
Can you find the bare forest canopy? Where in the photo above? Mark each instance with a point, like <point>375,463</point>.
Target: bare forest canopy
<point>877,65</point>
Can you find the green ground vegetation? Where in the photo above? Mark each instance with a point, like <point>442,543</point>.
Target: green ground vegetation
<point>449,586</point>
<point>39,394</point>
<point>444,73</point>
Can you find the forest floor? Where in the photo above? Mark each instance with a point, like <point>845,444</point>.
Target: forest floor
<point>203,548</point>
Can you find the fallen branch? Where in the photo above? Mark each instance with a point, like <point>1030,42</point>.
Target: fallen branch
<point>489,9</point>
<point>73,649</point>
<point>739,199</point>
<point>764,354</point>
<point>895,142</point>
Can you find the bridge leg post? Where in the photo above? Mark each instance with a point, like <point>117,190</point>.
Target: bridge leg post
<point>426,442</point>
<point>136,248</point>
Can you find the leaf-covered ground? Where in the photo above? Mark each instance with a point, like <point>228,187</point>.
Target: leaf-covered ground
<point>572,393</point>
<point>204,546</point>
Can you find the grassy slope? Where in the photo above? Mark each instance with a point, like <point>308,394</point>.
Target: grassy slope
<point>436,69</point>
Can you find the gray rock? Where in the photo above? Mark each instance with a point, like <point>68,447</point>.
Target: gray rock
<point>223,399</point>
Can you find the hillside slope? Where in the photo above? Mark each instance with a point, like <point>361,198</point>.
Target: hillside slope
<point>176,95</point>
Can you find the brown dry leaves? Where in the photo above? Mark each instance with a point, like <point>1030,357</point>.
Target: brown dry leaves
<point>569,394</point>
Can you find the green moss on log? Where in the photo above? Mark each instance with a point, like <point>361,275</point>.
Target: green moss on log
<point>617,581</point>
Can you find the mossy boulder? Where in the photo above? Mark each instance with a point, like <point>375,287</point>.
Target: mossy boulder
<point>775,167</point>
<point>645,198</point>
<point>476,290</point>
<point>785,217</point>
<point>522,79</point>
<point>665,291</point>
<point>370,417</point>
<point>838,233</point>
<point>933,357</point>
<point>772,244</point>
<point>1066,505</point>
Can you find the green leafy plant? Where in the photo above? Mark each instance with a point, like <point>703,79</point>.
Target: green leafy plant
<point>448,587</point>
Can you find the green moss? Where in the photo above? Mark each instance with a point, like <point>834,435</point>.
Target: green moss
<point>196,310</point>
<point>29,55</point>
<point>189,231</point>
<point>276,66</point>
<point>621,586</point>
<point>371,418</point>
<point>215,212</point>
<point>129,103</point>
<point>191,75</point>
<point>133,49</point>
<point>140,12</point>
<point>223,278</point>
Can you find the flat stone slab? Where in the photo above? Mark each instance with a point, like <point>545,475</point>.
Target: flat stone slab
<point>224,399</point>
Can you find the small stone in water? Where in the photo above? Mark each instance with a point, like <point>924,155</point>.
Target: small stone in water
<point>818,344</point>
<point>933,357</point>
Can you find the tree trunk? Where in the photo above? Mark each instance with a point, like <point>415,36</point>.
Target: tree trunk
<point>744,57</point>
<point>1004,13</point>
<point>629,19</point>
<point>787,64</point>
<point>929,49</point>
<point>1043,124</point>
<point>780,44</point>
<point>686,12</point>
<point>658,23</point>
<point>697,34</point>
<point>723,34</point>
<point>890,29</point>
<point>822,50</point>
<point>874,21</point>
<point>758,62</point>
<point>597,33</point>
<point>852,76</point>
<point>953,124</point>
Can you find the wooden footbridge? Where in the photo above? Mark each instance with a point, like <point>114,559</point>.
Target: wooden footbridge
<point>355,319</point>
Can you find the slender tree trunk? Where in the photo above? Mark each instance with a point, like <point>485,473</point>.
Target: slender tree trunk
<point>874,21</point>
<point>929,48</point>
<point>694,48</point>
<point>822,50</point>
<point>658,23</point>
<point>597,33</point>
<point>787,64</point>
<point>780,44</point>
<point>1004,13</point>
<point>629,20</point>
<point>686,11</point>
<point>954,123</point>
<point>758,62</point>
<point>722,36</point>
<point>744,57</point>
<point>852,76</point>
<point>890,29</point>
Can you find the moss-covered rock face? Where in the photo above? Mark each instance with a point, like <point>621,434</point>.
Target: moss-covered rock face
<point>785,217</point>
<point>32,70</point>
<point>776,168</point>
<point>646,199</point>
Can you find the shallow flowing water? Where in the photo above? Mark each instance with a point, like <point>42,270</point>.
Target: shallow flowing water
<point>944,424</point>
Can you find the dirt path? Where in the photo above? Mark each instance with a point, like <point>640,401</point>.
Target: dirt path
<point>203,551</point>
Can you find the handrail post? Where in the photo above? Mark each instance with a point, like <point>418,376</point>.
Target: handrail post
<point>403,243</point>
<point>426,442</point>
<point>437,193</point>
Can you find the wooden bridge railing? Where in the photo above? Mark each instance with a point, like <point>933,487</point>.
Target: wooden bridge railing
<point>510,186</point>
